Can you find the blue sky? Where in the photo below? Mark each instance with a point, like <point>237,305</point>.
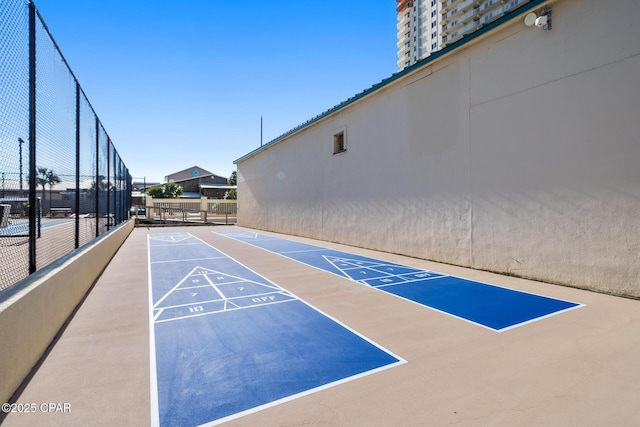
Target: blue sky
<point>184,82</point>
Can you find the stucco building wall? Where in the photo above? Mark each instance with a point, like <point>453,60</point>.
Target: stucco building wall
<point>517,153</point>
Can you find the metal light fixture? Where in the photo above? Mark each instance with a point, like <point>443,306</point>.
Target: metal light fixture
<point>543,21</point>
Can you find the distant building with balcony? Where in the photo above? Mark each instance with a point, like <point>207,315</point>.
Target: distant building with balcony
<point>426,26</point>
<point>418,30</point>
<point>197,182</point>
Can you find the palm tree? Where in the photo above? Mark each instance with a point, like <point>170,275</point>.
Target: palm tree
<point>47,177</point>
<point>99,186</point>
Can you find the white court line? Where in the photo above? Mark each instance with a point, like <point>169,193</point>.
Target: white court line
<point>306,303</point>
<point>577,305</point>
<point>214,272</point>
<point>190,303</point>
<point>173,245</point>
<point>246,234</point>
<point>526,322</point>
<point>206,286</point>
<point>175,287</point>
<point>225,300</point>
<point>168,238</point>
<point>157,314</point>
<point>166,243</point>
<point>153,373</point>
<point>215,288</point>
<point>155,417</point>
<point>197,287</point>
<point>304,393</point>
<point>242,279</point>
<point>187,259</point>
<point>207,313</point>
<point>407,281</point>
<point>305,251</point>
<point>205,272</point>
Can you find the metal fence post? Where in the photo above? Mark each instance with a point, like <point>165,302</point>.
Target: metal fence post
<point>108,180</point>
<point>39,87</point>
<point>77,201</point>
<point>32,138</point>
<point>97,183</point>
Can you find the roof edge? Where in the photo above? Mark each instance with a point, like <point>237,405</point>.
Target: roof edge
<point>400,74</point>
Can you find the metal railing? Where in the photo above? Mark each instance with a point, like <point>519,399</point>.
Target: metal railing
<point>203,210</point>
<point>63,182</point>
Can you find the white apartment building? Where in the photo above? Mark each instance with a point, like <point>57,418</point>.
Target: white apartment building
<point>426,26</point>
<point>418,30</point>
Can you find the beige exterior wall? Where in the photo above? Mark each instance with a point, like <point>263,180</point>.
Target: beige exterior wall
<point>519,153</point>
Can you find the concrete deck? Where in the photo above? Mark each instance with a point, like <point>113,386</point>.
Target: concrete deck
<point>576,368</point>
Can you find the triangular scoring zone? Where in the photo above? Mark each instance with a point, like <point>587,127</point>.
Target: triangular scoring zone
<point>171,238</point>
<point>376,273</point>
<point>207,291</point>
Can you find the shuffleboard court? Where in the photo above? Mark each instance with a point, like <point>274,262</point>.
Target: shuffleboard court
<point>487,305</point>
<point>226,341</point>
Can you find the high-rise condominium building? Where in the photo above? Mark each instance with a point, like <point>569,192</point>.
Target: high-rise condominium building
<point>418,30</point>
<point>426,26</point>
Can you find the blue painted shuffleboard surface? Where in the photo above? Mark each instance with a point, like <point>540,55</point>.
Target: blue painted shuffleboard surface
<point>227,341</point>
<point>487,305</point>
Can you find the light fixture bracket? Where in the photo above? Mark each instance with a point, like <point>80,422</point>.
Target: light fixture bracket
<point>546,12</point>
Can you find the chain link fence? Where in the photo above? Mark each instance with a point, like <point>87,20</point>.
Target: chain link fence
<point>63,182</point>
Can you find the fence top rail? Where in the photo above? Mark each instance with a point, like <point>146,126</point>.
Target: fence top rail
<point>179,200</point>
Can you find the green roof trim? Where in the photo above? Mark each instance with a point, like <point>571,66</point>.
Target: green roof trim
<point>422,63</point>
